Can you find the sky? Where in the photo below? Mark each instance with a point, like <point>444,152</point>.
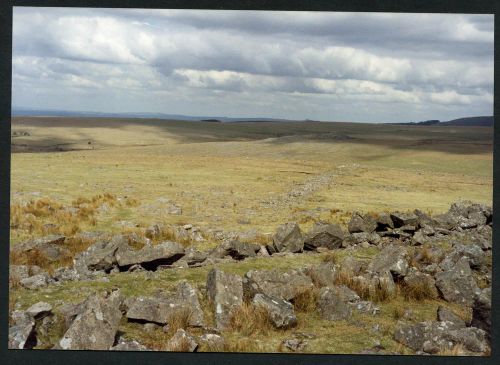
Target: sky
<point>330,66</point>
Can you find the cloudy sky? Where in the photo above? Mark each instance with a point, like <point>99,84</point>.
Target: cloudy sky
<point>363,67</point>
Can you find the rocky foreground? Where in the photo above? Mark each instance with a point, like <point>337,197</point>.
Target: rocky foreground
<point>419,257</point>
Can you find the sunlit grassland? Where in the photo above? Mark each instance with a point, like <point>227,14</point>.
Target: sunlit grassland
<point>225,174</point>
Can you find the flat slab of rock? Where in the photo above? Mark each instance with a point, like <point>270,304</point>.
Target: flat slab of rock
<point>161,309</point>
<point>39,309</point>
<point>288,238</point>
<point>95,328</point>
<point>284,285</point>
<point>324,235</point>
<point>150,257</point>
<point>101,255</point>
<point>432,337</point>
<point>280,311</point>
<point>49,246</point>
<point>225,291</point>
<point>404,219</point>
<point>236,249</point>
<point>36,281</point>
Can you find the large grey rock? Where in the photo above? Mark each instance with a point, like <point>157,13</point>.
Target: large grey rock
<point>49,246</point>
<point>457,285</point>
<point>182,341</point>
<point>432,337</point>
<point>288,238</point>
<point>236,249</point>
<point>150,257</point>
<point>474,254</point>
<point>393,258</point>
<point>481,311</point>
<point>404,219</point>
<point>280,311</point>
<point>384,221</point>
<point>324,235</point>
<point>163,308</point>
<point>332,305</point>
<point>323,274</point>
<point>95,328</point>
<point>101,255</point>
<point>22,334</point>
<point>39,310</point>
<point>69,311</point>
<point>284,285</point>
<point>362,223</point>
<point>36,281</point>
<point>225,291</point>
<point>379,282</point>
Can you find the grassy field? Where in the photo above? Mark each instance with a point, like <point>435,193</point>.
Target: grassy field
<point>241,176</point>
<point>236,177</point>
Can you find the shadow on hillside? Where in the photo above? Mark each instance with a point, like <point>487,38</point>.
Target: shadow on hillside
<point>456,140</point>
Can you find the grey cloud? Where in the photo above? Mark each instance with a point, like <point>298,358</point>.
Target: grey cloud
<point>246,59</point>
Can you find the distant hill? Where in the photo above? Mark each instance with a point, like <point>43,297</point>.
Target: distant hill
<point>485,121</point>
<point>26,112</point>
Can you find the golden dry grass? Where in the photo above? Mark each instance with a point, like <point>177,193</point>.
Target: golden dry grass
<point>249,319</point>
<point>418,290</point>
<point>305,300</point>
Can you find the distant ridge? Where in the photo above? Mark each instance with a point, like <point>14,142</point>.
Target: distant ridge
<point>485,121</point>
<point>26,112</point>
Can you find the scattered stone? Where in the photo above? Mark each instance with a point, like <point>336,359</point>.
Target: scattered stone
<point>432,337</point>
<point>39,310</point>
<point>22,334</point>
<point>36,281</point>
<point>288,238</point>
<point>150,257</point>
<point>360,223</point>
<point>226,293</point>
<point>237,250</point>
<point>95,328</point>
<point>284,285</point>
<point>101,255</point>
<point>295,344</point>
<point>129,345</point>
<point>444,314</point>
<point>182,342</point>
<point>481,311</point>
<point>392,258</point>
<point>324,235</point>
<point>404,219</point>
<point>323,274</point>
<point>212,342</point>
<point>384,221</point>
<point>160,309</point>
<point>331,305</point>
<point>457,285</point>
<point>280,311</point>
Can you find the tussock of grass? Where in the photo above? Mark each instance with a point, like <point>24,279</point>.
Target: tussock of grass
<point>456,350</point>
<point>377,293</point>
<point>418,291</point>
<point>398,312</point>
<point>331,257</point>
<point>179,319</point>
<point>249,319</point>
<point>306,300</point>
